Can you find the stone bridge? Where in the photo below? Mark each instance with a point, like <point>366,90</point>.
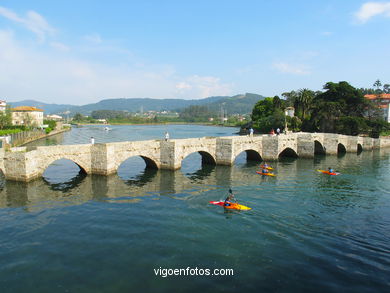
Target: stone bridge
<point>24,164</point>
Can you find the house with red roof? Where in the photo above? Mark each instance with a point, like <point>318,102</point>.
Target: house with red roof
<point>383,102</point>
<point>26,115</point>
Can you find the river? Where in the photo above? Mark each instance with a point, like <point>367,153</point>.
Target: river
<point>306,232</point>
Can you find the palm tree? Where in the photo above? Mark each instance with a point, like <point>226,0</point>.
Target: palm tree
<point>378,84</point>
<point>303,101</point>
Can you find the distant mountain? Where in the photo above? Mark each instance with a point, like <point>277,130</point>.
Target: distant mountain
<point>48,108</point>
<point>239,104</point>
<point>144,104</point>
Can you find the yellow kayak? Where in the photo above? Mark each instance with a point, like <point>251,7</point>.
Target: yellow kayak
<point>266,174</point>
<point>232,206</point>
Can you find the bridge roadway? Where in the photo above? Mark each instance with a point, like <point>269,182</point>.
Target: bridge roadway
<point>24,164</point>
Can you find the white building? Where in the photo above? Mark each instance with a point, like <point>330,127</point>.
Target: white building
<point>3,105</point>
<point>383,102</point>
<point>54,117</point>
<point>25,115</point>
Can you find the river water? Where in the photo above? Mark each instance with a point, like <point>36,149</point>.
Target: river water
<point>306,232</point>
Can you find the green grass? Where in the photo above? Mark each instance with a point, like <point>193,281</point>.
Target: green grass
<point>9,131</point>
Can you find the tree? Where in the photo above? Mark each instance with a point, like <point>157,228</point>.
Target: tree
<point>386,88</point>
<point>78,117</point>
<point>267,114</point>
<point>5,118</point>
<point>378,84</point>
<point>303,102</point>
<point>195,114</point>
<point>262,109</point>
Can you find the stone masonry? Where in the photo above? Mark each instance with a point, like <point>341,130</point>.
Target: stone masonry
<point>22,164</point>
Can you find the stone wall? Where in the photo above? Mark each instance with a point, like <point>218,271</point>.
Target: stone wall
<point>23,164</point>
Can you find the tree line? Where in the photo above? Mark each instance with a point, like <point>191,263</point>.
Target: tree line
<point>340,108</point>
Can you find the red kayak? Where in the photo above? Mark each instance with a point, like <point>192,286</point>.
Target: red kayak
<point>232,206</point>
<point>329,173</point>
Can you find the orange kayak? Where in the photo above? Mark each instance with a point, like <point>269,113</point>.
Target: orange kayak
<point>329,173</point>
<point>268,168</point>
<point>265,174</point>
<point>232,206</point>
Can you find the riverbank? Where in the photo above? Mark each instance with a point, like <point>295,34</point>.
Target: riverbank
<point>44,135</point>
<point>159,123</point>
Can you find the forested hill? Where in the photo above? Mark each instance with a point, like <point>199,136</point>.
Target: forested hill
<point>240,104</point>
<point>143,104</point>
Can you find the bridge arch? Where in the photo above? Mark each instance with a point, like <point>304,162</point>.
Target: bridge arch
<point>206,157</point>
<point>319,149</point>
<point>341,149</point>
<point>288,152</point>
<point>82,165</point>
<point>251,155</point>
<point>150,163</point>
<point>359,148</point>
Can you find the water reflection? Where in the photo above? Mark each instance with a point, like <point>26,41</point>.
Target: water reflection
<point>201,174</point>
<point>69,184</point>
<point>296,177</point>
<point>142,179</point>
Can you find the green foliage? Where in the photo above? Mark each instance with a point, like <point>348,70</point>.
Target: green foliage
<point>378,126</point>
<point>48,130</point>
<point>52,124</point>
<point>78,117</point>
<point>196,114</point>
<point>267,115</point>
<point>350,125</point>
<point>263,109</point>
<point>5,118</point>
<point>339,100</point>
<point>341,108</point>
<point>294,123</point>
<point>109,114</point>
<point>9,131</point>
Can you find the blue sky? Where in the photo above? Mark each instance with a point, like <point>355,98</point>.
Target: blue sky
<point>80,52</point>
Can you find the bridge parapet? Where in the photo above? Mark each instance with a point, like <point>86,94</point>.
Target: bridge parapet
<point>23,164</point>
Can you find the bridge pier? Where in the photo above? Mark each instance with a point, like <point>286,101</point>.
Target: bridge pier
<point>102,162</point>
<point>22,164</point>
<point>270,148</point>
<point>169,160</point>
<point>305,147</point>
<point>224,151</point>
<point>331,142</point>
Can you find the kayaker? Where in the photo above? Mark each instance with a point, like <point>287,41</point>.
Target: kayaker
<point>229,198</point>
<point>264,170</point>
<point>330,170</point>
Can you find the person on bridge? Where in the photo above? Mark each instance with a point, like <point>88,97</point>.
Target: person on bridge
<point>229,198</point>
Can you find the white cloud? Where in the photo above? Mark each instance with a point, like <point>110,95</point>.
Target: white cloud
<point>33,22</point>
<point>93,38</point>
<point>59,46</point>
<point>296,69</point>
<point>203,86</point>
<point>371,9</point>
<point>52,75</point>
